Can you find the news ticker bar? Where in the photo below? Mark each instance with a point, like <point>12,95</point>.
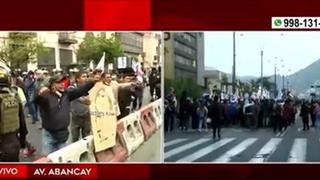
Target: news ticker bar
<point>161,171</point>
<point>295,23</point>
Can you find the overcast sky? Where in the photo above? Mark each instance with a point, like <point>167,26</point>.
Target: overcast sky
<point>296,49</point>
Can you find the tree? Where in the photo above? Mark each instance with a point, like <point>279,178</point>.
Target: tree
<point>266,83</point>
<point>254,85</point>
<point>21,48</point>
<point>93,47</point>
<point>224,82</point>
<point>191,87</point>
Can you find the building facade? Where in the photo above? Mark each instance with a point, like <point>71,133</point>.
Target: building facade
<point>217,80</point>
<point>132,43</point>
<point>183,53</point>
<point>151,49</point>
<point>61,47</point>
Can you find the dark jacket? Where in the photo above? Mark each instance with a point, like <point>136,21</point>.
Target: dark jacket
<point>55,114</point>
<point>216,113</point>
<point>78,107</point>
<point>304,112</point>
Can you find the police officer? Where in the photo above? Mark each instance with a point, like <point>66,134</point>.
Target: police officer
<point>12,122</point>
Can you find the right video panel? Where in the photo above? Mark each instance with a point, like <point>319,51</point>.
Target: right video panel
<point>241,96</point>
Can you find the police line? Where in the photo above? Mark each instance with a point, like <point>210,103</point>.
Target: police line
<point>132,131</point>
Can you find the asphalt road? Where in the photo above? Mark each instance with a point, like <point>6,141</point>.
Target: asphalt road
<point>148,152</point>
<point>244,145</point>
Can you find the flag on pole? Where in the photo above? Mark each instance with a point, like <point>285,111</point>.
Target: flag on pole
<point>91,66</point>
<point>101,62</point>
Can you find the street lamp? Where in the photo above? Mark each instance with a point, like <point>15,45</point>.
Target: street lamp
<point>275,89</point>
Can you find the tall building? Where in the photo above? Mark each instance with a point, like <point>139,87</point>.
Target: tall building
<point>200,59</point>
<point>184,52</point>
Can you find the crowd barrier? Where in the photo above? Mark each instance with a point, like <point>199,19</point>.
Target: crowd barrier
<point>79,151</point>
<point>132,131</point>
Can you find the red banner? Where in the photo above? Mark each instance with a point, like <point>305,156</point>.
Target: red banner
<point>149,14</point>
<point>83,171</point>
<point>117,15</point>
<point>13,171</point>
<point>41,15</point>
<point>162,171</point>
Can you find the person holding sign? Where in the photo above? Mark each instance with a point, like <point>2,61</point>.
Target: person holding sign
<point>54,102</point>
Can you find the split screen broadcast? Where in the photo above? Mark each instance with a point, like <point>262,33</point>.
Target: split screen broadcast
<point>219,96</point>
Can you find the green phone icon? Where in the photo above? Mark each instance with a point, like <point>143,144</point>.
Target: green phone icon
<point>277,22</point>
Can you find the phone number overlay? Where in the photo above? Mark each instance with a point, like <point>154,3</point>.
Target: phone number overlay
<point>295,22</point>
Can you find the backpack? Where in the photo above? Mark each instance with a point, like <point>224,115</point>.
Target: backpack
<point>9,112</point>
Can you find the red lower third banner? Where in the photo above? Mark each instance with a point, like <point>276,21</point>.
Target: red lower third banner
<point>83,171</point>
<point>162,171</point>
<point>13,171</point>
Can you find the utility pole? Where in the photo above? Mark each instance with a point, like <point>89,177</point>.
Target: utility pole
<point>261,71</point>
<point>275,81</point>
<point>234,64</point>
<point>283,82</point>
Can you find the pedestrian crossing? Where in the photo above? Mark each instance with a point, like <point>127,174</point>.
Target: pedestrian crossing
<point>232,149</point>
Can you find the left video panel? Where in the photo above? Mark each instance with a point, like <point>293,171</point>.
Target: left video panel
<point>80,96</point>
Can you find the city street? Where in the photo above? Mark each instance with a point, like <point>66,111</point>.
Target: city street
<point>244,145</point>
<point>145,153</point>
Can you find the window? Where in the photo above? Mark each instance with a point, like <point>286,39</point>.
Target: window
<point>187,37</point>
<point>185,61</point>
<point>184,48</point>
<point>132,39</point>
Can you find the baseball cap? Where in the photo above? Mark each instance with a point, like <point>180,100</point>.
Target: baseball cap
<point>57,79</point>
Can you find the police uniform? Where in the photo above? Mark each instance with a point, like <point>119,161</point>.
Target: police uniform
<point>12,123</point>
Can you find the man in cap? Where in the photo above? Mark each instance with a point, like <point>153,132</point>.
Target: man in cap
<point>54,105</point>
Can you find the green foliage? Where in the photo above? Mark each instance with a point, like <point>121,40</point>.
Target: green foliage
<point>244,87</point>
<point>92,48</point>
<point>267,84</point>
<point>21,48</point>
<point>192,88</point>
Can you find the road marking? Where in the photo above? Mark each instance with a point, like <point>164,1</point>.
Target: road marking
<point>236,150</point>
<point>204,151</point>
<point>284,132</point>
<point>298,150</point>
<point>278,134</point>
<point>184,147</point>
<point>267,150</point>
<point>173,142</point>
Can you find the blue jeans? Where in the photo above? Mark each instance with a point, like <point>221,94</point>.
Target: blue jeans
<point>202,123</point>
<point>49,144</point>
<point>33,111</point>
<point>317,121</point>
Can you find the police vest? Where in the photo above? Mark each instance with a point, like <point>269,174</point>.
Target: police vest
<point>9,112</point>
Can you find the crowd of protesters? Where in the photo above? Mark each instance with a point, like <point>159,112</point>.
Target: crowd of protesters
<point>248,112</point>
<point>59,102</point>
